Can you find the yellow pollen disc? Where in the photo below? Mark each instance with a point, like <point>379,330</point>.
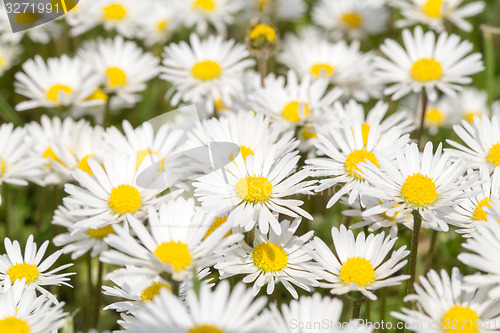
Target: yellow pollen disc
<point>264,3</point>
<point>54,91</point>
<point>254,189</point>
<point>153,290</point>
<point>98,94</point>
<point>434,116</point>
<point>205,329</point>
<point>124,199</point>
<point>176,254</point>
<point>479,213</point>
<point>352,19</point>
<point>26,18</point>
<point>426,70</point>
<point>469,116</point>
<point>206,70</point>
<point>50,153</point>
<point>116,77</point>
<point>20,271</point>
<point>84,165</point>
<point>358,156</point>
<point>162,25</point>
<point>101,233</point>
<point>3,167</point>
<point>433,8</point>
<point>1,61</point>
<point>419,190</point>
<point>269,257</point>
<point>263,31</point>
<point>308,133</point>
<point>494,154</point>
<point>291,111</point>
<point>217,223</point>
<point>322,70</point>
<point>14,325</point>
<point>357,270</point>
<point>207,5</point>
<point>142,154</point>
<point>114,11</point>
<point>467,318</point>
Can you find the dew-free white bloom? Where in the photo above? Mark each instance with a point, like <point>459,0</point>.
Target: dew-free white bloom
<point>9,54</point>
<point>360,264</point>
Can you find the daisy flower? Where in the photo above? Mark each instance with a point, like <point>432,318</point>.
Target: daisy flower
<point>124,66</point>
<point>255,191</point>
<point>174,242</point>
<point>205,13</point>
<point>21,310</point>
<point>360,263</point>
<point>78,240</point>
<point>344,65</point>
<point>472,209</point>
<point>485,253</point>
<point>43,33</point>
<point>294,103</point>
<point>425,182</point>
<point>9,54</point>
<point>110,193</point>
<point>160,25</point>
<point>218,310</point>
<point>308,312</point>
<point>468,103</point>
<point>284,10</point>
<point>206,70</point>
<point>31,267</point>
<point>482,142</point>
<point>272,259</point>
<point>444,64</point>
<point>16,166</point>
<point>352,18</point>
<point>442,301</point>
<point>435,13</point>
<point>58,82</point>
<point>342,149</point>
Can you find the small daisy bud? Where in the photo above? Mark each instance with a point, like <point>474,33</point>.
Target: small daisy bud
<point>262,38</point>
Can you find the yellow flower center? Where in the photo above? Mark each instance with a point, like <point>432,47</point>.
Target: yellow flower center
<point>20,271</point>
<point>434,116</point>
<point>142,154</point>
<point>291,111</point>
<point>50,153</point>
<point>322,70</point>
<point>467,319</point>
<point>125,199</point>
<point>176,254</point>
<point>263,31</point>
<point>254,189</point>
<point>114,11</point>
<point>3,167</point>
<point>162,25</point>
<point>479,214</point>
<point>494,154</point>
<point>205,329</point>
<point>98,94</point>
<point>14,325</point>
<point>419,190</point>
<point>153,290</point>
<point>469,116</point>
<point>217,223</point>
<point>84,165</point>
<point>26,18</point>
<point>53,92</point>
<point>352,19</point>
<point>206,5</point>
<point>1,61</point>
<point>244,151</point>
<point>433,8</point>
<point>357,270</point>
<point>358,156</point>
<point>308,133</point>
<point>101,233</point>
<point>116,77</point>
<point>426,70</point>
<point>206,70</point>
<point>269,257</point>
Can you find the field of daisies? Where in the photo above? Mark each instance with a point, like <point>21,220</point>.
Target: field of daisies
<point>251,166</point>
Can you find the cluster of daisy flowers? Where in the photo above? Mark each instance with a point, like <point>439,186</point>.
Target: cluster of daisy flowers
<point>204,212</point>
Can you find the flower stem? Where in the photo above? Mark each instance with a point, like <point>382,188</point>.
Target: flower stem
<point>417,223</point>
<point>424,101</point>
<point>97,296</point>
<point>262,60</point>
<point>489,58</point>
<point>356,306</point>
<point>432,249</point>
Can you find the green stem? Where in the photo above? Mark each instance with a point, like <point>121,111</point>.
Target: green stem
<point>422,119</point>
<point>90,291</point>
<point>262,60</point>
<point>489,58</point>
<point>417,223</point>
<point>46,193</point>
<point>98,296</point>
<point>356,306</point>
<point>432,249</point>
